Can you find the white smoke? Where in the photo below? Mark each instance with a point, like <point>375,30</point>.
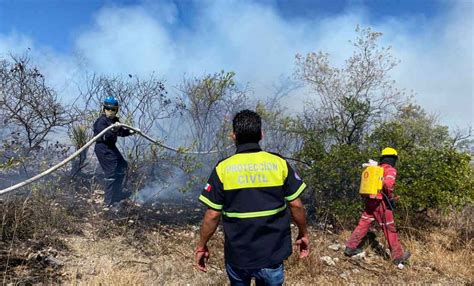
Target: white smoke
<point>259,44</point>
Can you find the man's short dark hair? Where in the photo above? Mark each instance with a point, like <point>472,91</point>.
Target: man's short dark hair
<point>247,126</point>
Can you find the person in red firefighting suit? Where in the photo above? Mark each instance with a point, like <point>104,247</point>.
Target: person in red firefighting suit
<point>379,208</point>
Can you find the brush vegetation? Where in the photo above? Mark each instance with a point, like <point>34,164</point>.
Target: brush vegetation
<point>56,231</point>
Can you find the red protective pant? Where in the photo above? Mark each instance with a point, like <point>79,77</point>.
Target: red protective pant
<point>377,210</point>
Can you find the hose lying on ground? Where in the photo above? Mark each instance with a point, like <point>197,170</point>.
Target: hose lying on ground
<point>79,151</point>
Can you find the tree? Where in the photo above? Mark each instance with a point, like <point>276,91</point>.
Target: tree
<point>435,178</point>
<point>352,97</point>
<point>348,102</point>
<point>334,177</point>
<point>360,112</point>
<point>27,104</point>
<point>279,127</point>
<point>30,114</point>
<point>208,104</point>
<point>413,128</point>
<point>433,173</point>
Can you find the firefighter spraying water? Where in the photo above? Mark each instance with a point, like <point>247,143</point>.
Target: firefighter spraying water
<point>110,108</point>
<point>111,160</point>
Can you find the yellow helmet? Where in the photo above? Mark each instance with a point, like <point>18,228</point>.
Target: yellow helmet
<point>389,152</point>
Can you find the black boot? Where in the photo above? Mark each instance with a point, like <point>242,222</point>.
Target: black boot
<point>402,259</point>
<point>352,251</point>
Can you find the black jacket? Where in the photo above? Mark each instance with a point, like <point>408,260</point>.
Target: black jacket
<point>110,137</point>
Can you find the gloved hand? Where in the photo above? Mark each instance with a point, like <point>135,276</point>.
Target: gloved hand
<point>116,127</point>
<point>302,245</point>
<point>201,258</point>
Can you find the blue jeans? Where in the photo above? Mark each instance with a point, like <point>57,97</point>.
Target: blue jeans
<point>264,276</point>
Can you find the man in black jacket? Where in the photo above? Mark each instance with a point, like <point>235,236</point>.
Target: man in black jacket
<point>111,160</point>
<point>256,193</point>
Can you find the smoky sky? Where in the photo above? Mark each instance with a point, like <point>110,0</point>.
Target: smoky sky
<point>258,43</point>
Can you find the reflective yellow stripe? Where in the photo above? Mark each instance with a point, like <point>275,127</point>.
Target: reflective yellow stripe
<point>297,193</point>
<point>209,203</point>
<point>255,214</point>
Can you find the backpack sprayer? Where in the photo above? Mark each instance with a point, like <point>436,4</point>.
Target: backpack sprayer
<point>371,182</point>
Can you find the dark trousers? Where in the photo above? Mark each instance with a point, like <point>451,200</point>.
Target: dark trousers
<point>115,168</point>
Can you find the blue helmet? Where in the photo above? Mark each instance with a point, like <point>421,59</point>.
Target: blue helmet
<point>111,101</point>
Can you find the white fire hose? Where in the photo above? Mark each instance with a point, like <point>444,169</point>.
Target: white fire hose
<point>75,154</point>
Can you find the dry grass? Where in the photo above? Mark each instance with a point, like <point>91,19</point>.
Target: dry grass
<point>161,256</point>
<point>138,250</point>
<point>437,255</point>
<point>164,256</point>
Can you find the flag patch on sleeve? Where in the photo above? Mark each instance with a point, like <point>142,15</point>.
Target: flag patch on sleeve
<point>207,188</point>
